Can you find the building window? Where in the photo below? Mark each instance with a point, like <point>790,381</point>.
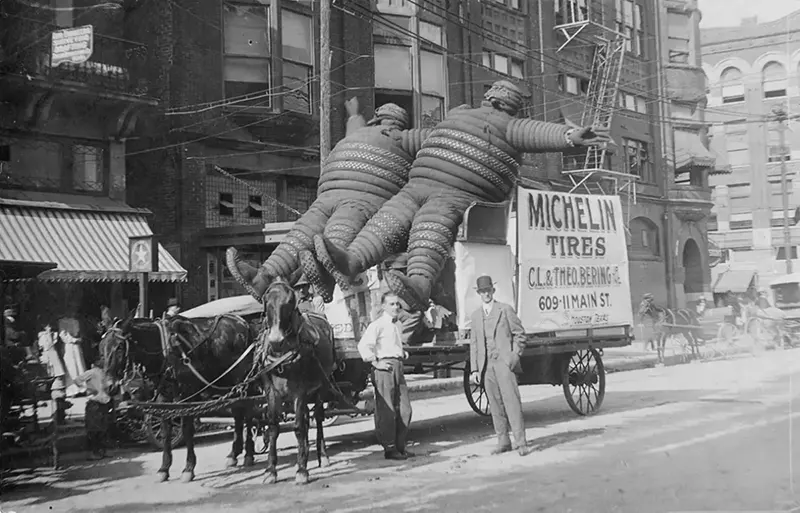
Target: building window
<point>644,237</point>
<point>517,68</point>
<point>571,11</point>
<point>431,32</point>
<point>503,64</point>
<point>632,102</point>
<point>774,80</point>
<point>394,74</point>
<point>226,204</point>
<point>87,168</point>
<point>433,88</point>
<point>679,37</point>
<point>298,61</point>
<point>732,86</point>
<point>776,152</point>
<point>637,161</point>
<point>736,145</point>
<point>254,207</point>
<point>247,53</point>
<point>629,18</point>
<point>573,85</point>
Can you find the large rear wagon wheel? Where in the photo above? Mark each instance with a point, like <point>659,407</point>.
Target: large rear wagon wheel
<point>476,394</point>
<point>152,430</point>
<point>584,381</point>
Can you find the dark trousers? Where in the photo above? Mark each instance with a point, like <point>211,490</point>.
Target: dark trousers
<point>392,406</point>
<point>505,403</point>
<point>98,422</point>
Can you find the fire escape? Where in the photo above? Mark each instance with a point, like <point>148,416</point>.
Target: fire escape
<point>580,22</point>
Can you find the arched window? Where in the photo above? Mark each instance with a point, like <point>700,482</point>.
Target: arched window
<point>773,79</point>
<point>732,86</point>
<point>644,237</point>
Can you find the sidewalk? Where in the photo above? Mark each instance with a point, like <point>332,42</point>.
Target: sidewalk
<point>623,359</point>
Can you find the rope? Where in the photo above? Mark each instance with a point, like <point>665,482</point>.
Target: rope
<point>182,409</point>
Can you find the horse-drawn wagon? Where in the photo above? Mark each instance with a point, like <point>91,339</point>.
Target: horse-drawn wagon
<point>567,275</point>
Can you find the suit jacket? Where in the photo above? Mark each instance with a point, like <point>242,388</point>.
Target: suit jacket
<point>509,337</point>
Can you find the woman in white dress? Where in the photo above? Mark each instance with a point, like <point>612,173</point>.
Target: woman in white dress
<point>73,354</point>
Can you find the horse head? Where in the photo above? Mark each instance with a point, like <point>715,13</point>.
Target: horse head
<point>646,307</point>
<point>281,317</point>
<point>114,347</point>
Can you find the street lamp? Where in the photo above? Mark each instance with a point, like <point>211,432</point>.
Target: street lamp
<point>780,116</point>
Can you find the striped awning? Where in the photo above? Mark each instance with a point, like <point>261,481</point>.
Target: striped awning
<point>86,245</point>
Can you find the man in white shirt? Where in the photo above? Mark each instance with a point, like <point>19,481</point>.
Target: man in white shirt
<point>381,345</point>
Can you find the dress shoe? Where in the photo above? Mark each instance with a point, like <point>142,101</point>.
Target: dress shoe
<point>524,450</point>
<point>393,454</point>
<point>407,454</point>
<point>500,449</point>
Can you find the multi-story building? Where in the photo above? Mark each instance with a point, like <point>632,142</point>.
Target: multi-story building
<point>71,90</point>
<point>235,137</point>
<point>752,69</point>
<point>666,163</point>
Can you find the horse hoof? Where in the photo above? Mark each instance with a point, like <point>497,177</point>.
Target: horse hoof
<point>249,461</point>
<point>187,477</point>
<point>301,478</point>
<point>325,462</point>
<point>271,479</point>
<point>162,477</point>
<point>230,462</point>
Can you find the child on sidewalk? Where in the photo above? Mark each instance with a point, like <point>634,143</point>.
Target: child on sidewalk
<point>99,406</point>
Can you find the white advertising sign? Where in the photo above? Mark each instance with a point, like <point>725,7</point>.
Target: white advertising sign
<point>573,261</point>
<point>356,305</point>
<point>73,45</point>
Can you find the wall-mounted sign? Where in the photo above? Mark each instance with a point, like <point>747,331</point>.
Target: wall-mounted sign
<point>142,254</point>
<point>73,45</point>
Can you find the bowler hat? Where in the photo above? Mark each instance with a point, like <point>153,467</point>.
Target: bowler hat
<point>302,281</point>
<point>484,282</point>
<point>173,301</point>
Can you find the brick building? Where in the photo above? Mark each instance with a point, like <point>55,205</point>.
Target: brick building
<point>659,131</point>
<point>751,69</point>
<point>65,114</point>
<point>428,56</point>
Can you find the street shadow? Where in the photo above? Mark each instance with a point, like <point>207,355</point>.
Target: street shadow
<point>40,486</point>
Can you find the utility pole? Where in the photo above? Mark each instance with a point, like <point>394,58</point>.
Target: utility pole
<point>324,80</point>
<point>779,112</point>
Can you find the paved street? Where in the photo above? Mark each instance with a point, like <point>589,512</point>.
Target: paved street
<point>711,436</point>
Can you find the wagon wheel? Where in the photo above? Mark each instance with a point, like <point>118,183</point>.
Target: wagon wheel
<point>152,429</point>
<point>584,381</point>
<point>476,394</point>
<point>327,422</point>
<point>260,437</point>
<point>728,333</point>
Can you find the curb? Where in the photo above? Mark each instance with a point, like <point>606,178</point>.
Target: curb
<point>75,441</point>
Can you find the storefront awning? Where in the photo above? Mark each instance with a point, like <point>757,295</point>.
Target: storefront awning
<point>738,281</point>
<point>85,245</point>
<point>690,151</point>
<point>14,270</point>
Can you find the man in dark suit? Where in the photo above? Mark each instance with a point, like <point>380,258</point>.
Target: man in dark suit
<point>497,340</point>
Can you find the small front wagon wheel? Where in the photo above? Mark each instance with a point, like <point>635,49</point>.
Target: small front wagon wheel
<point>476,394</point>
<point>584,381</point>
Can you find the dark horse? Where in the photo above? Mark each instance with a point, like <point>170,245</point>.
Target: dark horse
<point>187,360</point>
<point>667,322</point>
<point>306,338</point>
